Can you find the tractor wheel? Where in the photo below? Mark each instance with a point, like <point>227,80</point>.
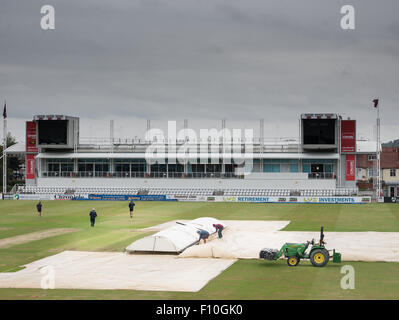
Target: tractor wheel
<point>293,261</point>
<point>319,257</point>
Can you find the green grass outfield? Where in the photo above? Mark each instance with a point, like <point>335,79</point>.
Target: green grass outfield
<point>246,279</point>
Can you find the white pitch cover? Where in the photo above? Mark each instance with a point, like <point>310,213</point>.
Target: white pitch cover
<point>176,238</point>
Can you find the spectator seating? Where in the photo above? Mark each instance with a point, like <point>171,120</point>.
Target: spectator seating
<point>189,192</point>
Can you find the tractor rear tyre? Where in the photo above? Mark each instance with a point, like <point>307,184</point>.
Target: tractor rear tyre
<point>293,261</point>
<point>319,257</point>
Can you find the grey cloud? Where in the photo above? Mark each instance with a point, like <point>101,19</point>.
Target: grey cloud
<point>201,60</point>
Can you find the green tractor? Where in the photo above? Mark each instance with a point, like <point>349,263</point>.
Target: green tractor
<point>294,252</point>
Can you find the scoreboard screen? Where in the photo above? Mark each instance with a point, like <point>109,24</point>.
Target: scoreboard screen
<point>53,132</point>
<point>319,131</point>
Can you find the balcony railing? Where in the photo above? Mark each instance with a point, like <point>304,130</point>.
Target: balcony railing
<point>126,174</point>
<point>321,175</point>
<point>91,174</point>
<point>285,144</point>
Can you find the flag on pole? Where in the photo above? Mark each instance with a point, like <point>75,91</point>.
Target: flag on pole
<point>5,111</point>
<point>375,101</point>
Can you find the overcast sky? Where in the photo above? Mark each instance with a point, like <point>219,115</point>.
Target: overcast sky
<point>202,60</point>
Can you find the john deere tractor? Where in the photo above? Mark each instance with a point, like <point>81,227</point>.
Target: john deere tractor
<point>294,252</point>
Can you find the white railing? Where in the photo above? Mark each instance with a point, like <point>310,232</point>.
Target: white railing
<point>126,174</point>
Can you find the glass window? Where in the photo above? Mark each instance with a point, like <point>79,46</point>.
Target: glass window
<point>392,172</point>
<point>275,167</point>
<point>101,167</point>
<point>158,167</point>
<point>98,165</point>
<point>294,168</point>
<point>133,165</point>
<point>328,168</point>
<point>54,167</point>
<point>255,167</point>
<point>229,168</point>
<point>66,167</point>
<point>175,168</point>
<point>122,167</point>
<point>138,167</point>
<point>267,168</point>
<point>213,168</point>
<point>198,167</point>
<point>59,165</point>
<point>280,165</point>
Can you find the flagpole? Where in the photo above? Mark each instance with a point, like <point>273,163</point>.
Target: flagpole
<point>378,152</point>
<point>4,151</point>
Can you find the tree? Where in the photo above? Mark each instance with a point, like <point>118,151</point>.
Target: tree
<point>391,144</point>
<point>14,165</point>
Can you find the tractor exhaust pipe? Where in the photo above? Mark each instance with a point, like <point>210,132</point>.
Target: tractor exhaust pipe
<point>321,235</point>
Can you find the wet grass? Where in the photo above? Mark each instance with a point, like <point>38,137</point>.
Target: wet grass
<point>246,279</point>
